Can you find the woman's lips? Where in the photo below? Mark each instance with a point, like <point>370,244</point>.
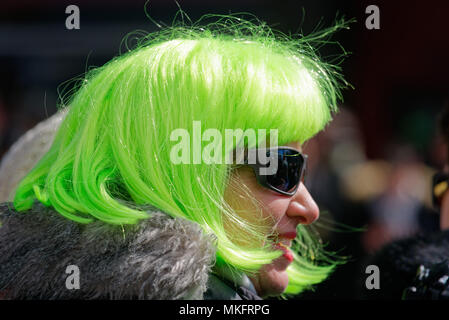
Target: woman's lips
<point>287,253</point>
<point>283,242</point>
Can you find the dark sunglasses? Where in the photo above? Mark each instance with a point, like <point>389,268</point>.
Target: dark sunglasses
<point>287,174</point>
<point>440,184</point>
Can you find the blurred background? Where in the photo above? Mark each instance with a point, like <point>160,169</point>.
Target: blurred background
<point>370,170</point>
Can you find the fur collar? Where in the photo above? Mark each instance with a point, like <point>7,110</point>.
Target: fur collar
<point>159,258</point>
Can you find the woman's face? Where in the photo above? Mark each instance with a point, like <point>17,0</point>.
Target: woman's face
<point>284,213</point>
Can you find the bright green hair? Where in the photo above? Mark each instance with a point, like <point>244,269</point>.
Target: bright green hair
<point>111,154</point>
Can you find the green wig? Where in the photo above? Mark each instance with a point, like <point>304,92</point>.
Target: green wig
<point>111,154</point>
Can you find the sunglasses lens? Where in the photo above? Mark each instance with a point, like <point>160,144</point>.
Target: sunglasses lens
<point>290,167</point>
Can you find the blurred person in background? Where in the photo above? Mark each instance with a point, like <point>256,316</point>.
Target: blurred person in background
<point>417,267</point>
<point>366,203</point>
<point>397,212</point>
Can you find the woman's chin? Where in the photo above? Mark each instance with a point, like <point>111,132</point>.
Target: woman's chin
<point>273,278</point>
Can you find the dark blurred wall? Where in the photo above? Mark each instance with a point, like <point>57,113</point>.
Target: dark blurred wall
<point>401,73</point>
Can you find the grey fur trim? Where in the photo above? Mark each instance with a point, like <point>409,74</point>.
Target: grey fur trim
<point>158,258</point>
<point>26,152</point>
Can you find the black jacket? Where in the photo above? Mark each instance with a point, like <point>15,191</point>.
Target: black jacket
<point>400,260</point>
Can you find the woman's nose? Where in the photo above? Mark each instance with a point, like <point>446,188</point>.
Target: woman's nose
<point>303,207</point>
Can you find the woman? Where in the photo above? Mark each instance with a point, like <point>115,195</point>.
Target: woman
<point>109,201</point>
